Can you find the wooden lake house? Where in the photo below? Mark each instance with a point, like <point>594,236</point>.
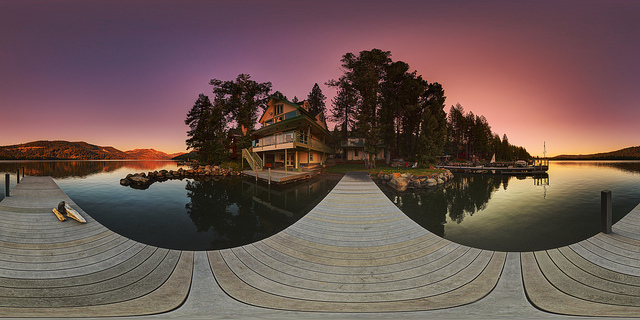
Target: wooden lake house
<point>290,137</point>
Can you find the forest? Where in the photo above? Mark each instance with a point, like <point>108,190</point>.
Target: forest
<point>377,98</point>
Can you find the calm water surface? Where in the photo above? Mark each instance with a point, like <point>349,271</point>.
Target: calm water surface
<point>485,211</point>
<point>181,214</point>
<point>524,213</point>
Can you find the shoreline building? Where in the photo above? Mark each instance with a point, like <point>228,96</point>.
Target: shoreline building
<point>352,149</point>
<point>291,138</point>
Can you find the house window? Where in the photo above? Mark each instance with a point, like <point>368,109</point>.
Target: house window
<point>278,109</point>
<point>355,153</point>
<point>310,156</point>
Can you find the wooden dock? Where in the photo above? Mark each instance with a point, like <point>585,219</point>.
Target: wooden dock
<point>506,170</point>
<point>279,176</point>
<point>538,167</point>
<point>50,268</point>
<point>353,255</point>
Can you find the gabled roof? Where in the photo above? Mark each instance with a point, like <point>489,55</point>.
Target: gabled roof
<point>304,115</point>
<point>273,100</point>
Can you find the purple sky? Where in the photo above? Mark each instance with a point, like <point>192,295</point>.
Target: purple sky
<point>125,73</point>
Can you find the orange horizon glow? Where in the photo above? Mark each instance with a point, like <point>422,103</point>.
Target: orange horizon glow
<point>561,72</point>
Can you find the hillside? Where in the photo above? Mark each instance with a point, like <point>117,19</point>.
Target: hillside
<point>185,156</point>
<point>65,150</point>
<point>631,153</point>
<point>149,154</point>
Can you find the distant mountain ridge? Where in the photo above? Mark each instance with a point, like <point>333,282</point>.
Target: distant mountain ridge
<point>631,153</point>
<point>65,150</point>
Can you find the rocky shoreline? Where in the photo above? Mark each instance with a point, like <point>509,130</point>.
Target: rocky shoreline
<point>143,180</point>
<point>402,182</point>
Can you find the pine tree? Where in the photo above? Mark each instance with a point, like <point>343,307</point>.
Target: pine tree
<point>207,131</point>
<point>316,100</point>
<point>241,100</point>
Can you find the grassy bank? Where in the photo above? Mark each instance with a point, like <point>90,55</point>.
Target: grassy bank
<point>344,168</point>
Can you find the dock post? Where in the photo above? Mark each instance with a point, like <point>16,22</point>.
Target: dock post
<point>18,177</point>
<point>269,176</point>
<point>6,184</point>
<point>23,172</point>
<point>605,211</point>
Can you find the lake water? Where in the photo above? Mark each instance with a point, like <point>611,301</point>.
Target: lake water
<point>509,213</point>
<point>485,211</point>
<point>187,214</point>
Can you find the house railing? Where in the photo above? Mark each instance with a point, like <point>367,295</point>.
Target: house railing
<point>254,160</point>
<point>293,139</point>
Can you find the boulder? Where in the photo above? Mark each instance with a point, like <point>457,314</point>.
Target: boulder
<point>431,182</point>
<point>139,180</point>
<point>440,181</point>
<point>125,182</point>
<point>399,183</point>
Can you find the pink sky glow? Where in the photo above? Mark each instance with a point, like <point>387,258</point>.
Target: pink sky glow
<point>125,73</point>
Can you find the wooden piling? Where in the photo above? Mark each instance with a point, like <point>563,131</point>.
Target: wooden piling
<point>6,184</point>
<point>605,211</point>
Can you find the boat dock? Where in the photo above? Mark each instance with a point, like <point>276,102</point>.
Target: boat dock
<point>538,167</point>
<point>355,255</point>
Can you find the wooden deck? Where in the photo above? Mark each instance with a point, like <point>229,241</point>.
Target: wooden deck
<point>353,255</point>
<point>51,268</point>
<point>356,252</point>
<point>279,176</point>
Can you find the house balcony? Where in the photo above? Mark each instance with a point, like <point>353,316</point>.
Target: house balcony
<point>290,140</point>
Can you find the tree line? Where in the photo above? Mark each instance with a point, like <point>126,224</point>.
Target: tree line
<point>381,100</point>
<point>377,98</point>
<point>470,137</point>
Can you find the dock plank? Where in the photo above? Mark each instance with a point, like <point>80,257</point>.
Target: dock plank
<point>67,269</point>
<point>356,252</point>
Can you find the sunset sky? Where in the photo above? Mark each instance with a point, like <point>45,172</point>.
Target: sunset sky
<point>125,73</point>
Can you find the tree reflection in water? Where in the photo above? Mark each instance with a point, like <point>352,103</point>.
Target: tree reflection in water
<point>463,196</point>
<point>238,212</point>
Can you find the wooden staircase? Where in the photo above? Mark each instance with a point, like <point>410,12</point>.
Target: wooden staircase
<point>254,160</point>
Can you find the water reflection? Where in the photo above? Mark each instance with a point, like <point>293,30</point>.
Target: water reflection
<point>626,166</point>
<point>509,213</point>
<point>236,212</point>
<point>463,196</point>
<point>79,169</point>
